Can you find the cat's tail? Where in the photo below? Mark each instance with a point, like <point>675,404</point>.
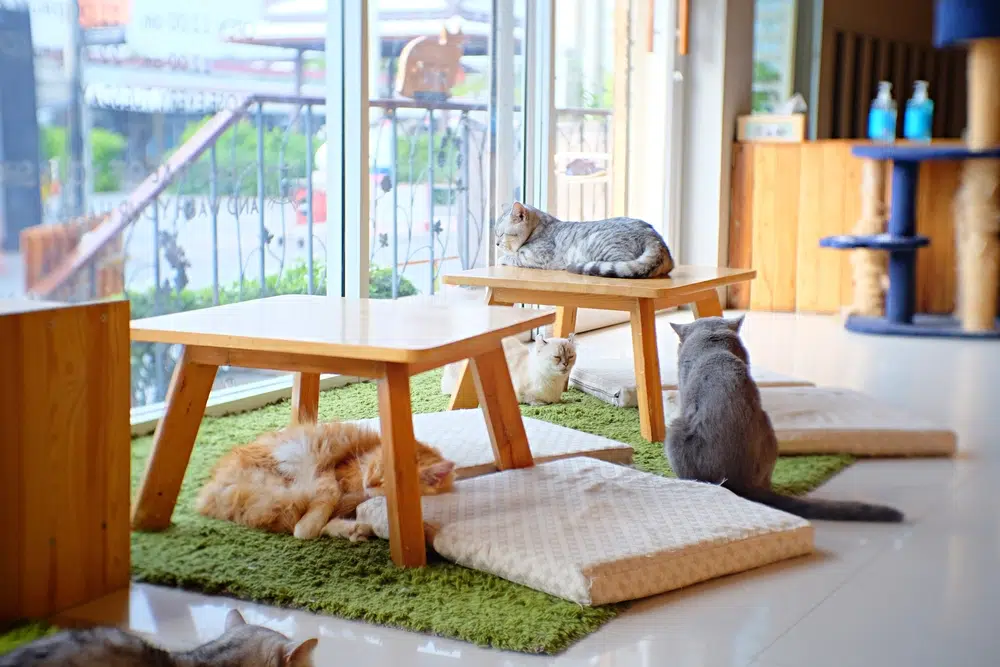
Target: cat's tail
<point>654,262</point>
<point>816,508</point>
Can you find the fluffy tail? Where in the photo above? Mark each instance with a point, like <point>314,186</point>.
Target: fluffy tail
<point>654,262</point>
<point>815,508</point>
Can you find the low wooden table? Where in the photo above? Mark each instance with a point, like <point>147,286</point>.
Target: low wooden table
<point>309,335</point>
<point>640,298</point>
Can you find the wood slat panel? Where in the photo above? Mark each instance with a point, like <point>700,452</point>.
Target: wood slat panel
<point>775,204</point>
<point>936,277</point>
<point>847,86</point>
<point>827,79</point>
<point>740,223</point>
<point>823,192</point>
<point>866,83</point>
<point>786,197</point>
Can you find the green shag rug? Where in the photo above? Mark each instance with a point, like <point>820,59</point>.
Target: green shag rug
<point>359,581</point>
<point>22,634</point>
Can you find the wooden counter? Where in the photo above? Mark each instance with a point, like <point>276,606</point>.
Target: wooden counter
<point>785,197</point>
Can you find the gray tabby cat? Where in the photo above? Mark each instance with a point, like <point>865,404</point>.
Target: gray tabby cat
<point>724,436</point>
<point>241,645</point>
<point>617,247</point>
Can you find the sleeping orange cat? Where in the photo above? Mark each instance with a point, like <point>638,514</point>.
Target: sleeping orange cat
<point>305,479</point>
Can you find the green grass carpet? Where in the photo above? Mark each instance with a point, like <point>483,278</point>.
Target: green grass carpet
<point>22,634</point>
<point>358,581</point>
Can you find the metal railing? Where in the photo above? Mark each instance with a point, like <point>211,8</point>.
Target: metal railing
<point>238,210</point>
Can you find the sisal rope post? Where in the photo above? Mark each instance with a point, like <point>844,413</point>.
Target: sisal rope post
<point>870,265</point>
<point>977,219</point>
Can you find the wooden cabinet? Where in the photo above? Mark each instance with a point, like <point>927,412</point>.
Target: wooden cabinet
<point>64,454</point>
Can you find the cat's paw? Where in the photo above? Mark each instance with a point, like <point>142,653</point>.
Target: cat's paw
<point>309,527</point>
<point>355,531</point>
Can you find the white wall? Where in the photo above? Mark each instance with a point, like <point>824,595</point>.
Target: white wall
<point>718,72</point>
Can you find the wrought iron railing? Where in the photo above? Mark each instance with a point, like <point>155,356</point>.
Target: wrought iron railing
<point>238,211</point>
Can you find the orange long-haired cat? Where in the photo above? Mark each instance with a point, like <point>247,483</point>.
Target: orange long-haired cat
<point>304,479</point>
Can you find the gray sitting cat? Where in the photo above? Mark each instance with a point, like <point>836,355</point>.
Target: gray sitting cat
<point>723,436</point>
<point>617,247</point>
<point>241,645</point>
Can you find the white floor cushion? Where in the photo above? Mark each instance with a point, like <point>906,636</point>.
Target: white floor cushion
<point>461,436</point>
<point>597,533</point>
<point>824,420</point>
<point>613,379</point>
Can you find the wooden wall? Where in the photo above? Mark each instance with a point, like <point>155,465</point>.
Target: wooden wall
<point>867,41</point>
<point>786,197</point>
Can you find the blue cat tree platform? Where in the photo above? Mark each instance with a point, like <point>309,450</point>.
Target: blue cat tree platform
<point>977,219</point>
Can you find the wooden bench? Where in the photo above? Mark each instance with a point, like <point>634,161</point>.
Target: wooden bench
<point>384,340</point>
<point>698,286</point>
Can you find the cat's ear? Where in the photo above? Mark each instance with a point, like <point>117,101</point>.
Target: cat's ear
<point>571,338</point>
<point>679,329</point>
<point>541,342</point>
<point>435,474</point>
<point>298,655</point>
<point>518,211</point>
<point>735,323</point>
<point>234,619</point>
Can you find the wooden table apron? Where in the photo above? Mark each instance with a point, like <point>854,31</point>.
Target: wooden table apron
<point>642,318</point>
<point>192,382</point>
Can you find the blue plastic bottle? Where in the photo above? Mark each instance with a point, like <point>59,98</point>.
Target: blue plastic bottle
<point>918,122</point>
<point>882,115</point>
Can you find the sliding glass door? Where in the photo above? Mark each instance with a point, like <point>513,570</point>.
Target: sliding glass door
<point>446,135</point>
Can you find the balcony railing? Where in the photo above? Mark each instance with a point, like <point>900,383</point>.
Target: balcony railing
<point>238,211</point>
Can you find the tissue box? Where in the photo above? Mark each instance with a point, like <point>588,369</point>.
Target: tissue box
<point>771,127</point>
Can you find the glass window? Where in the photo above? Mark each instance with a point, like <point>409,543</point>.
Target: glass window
<point>584,104</point>
<point>773,52</point>
<point>167,152</point>
<point>441,74</point>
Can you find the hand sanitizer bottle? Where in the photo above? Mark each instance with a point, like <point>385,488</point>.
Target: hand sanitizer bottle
<point>918,121</point>
<point>882,116</point>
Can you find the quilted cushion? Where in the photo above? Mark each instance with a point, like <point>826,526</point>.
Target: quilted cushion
<point>613,379</point>
<point>824,420</point>
<point>461,436</point>
<point>597,533</point>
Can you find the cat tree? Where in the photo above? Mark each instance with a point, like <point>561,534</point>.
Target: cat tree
<point>977,217</point>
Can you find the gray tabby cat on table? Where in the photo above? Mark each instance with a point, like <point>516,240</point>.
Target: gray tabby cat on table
<point>614,248</point>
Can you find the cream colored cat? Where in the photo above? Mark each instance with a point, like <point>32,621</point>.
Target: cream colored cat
<point>539,370</point>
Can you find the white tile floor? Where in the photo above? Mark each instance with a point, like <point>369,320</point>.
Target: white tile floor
<point>909,595</point>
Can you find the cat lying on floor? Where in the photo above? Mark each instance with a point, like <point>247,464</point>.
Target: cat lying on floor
<point>539,370</point>
<point>241,644</point>
<point>724,436</point>
<point>616,247</point>
<point>306,479</point>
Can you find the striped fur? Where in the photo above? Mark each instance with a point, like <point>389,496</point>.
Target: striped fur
<point>615,248</point>
<point>241,645</point>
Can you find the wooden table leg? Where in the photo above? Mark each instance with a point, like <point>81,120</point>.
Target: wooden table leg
<point>305,398</point>
<point>495,390</point>
<point>565,322</point>
<point>463,397</point>
<point>647,370</point>
<point>399,464</point>
<point>707,304</point>
<point>172,444</point>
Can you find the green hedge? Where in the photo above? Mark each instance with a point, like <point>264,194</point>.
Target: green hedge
<point>106,150</point>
